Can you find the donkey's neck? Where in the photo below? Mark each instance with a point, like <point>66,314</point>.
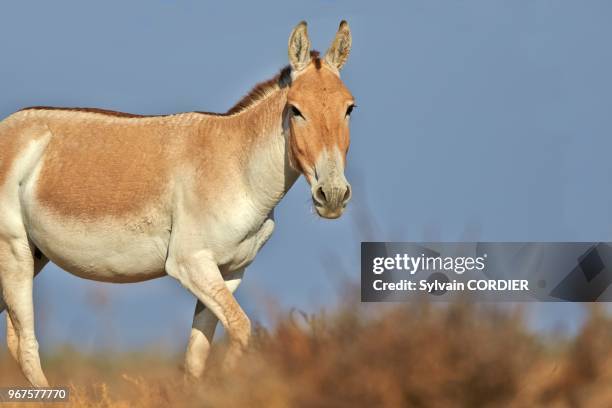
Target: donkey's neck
<point>266,167</point>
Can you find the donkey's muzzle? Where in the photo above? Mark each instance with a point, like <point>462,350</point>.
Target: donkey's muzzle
<point>330,198</point>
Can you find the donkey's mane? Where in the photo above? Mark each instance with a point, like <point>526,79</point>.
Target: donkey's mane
<point>257,93</point>
<point>262,89</point>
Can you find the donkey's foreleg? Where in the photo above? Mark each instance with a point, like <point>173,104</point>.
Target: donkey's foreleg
<point>203,331</point>
<point>16,278</point>
<point>200,274</point>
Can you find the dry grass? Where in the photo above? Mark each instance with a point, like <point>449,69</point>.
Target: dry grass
<point>414,355</point>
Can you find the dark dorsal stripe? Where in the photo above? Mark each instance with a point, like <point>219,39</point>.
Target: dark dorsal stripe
<point>93,110</point>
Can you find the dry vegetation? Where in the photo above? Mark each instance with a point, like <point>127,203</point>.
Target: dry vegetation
<point>415,355</point>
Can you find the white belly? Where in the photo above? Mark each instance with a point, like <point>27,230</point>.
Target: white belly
<point>105,250</point>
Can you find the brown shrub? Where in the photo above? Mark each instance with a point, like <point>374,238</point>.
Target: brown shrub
<point>413,355</point>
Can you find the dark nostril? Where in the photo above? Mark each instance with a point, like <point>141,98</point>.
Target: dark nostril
<point>321,195</point>
<point>347,194</point>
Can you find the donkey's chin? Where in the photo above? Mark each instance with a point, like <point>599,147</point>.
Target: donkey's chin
<point>329,213</point>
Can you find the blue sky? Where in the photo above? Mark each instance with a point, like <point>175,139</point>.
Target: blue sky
<point>481,120</point>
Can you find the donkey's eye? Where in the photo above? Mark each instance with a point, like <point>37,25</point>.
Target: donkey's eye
<point>296,112</point>
<point>349,110</point>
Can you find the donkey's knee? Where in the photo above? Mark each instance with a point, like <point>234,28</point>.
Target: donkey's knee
<point>239,330</point>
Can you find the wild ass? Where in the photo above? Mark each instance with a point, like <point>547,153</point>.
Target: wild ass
<point>116,197</point>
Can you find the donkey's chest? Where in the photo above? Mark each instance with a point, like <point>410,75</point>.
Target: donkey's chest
<point>241,253</point>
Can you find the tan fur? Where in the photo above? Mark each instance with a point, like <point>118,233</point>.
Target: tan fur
<point>322,98</point>
<point>14,137</point>
<point>97,166</point>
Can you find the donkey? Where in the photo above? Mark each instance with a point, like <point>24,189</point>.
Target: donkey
<point>117,197</point>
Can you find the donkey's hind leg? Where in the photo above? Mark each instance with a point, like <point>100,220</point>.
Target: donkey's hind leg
<point>12,340</point>
<point>16,279</point>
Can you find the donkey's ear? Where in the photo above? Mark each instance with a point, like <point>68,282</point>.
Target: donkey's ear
<point>299,47</point>
<point>338,52</point>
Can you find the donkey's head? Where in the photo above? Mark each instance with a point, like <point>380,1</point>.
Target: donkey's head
<point>319,108</point>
